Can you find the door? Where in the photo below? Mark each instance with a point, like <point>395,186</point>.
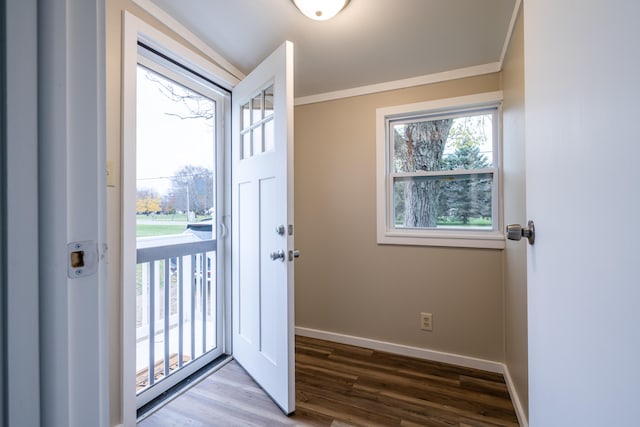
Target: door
<point>179,137</point>
<point>582,191</point>
<point>262,230</point>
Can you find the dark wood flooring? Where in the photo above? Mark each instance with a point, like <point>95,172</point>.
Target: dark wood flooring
<point>339,385</point>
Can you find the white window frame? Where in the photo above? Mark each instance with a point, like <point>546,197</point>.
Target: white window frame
<point>387,233</point>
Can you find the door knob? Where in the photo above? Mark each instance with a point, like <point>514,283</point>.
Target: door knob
<point>278,255</point>
<point>516,232</point>
<point>280,230</point>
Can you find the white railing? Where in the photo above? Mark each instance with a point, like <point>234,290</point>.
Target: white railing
<point>175,307</point>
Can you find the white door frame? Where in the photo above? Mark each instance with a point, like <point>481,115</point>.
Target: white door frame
<point>74,349</point>
<point>134,30</point>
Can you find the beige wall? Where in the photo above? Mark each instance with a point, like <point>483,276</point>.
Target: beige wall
<point>345,282</point>
<point>515,262</point>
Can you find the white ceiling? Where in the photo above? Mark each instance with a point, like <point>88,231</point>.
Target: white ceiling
<point>369,42</point>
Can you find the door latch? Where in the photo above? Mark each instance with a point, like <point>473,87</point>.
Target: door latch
<point>294,254</point>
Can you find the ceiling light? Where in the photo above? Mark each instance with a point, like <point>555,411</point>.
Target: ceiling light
<point>320,10</point>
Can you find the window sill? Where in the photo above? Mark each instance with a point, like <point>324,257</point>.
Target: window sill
<point>492,240</point>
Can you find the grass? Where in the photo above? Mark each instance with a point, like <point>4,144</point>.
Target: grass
<point>453,222</point>
<point>473,222</point>
<point>171,217</point>
<point>147,230</point>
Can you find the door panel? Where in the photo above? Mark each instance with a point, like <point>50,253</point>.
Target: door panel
<point>582,191</point>
<point>269,308</point>
<point>246,232</point>
<point>262,200</point>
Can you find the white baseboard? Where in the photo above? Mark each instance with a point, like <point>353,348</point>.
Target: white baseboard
<point>420,353</point>
<point>515,398</point>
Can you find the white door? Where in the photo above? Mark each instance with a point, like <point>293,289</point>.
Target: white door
<point>262,226</point>
<point>583,191</point>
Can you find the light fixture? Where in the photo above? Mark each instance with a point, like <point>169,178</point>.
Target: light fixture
<point>320,10</point>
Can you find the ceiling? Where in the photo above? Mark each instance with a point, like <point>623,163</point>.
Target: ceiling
<point>369,42</point>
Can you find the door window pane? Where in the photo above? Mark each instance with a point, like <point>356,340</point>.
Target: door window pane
<point>256,109</point>
<point>245,116</point>
<point>257,131</point>
<point>268,101</point>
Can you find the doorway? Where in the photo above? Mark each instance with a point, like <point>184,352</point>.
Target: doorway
<point>186,276</point>
<point>179,268</point>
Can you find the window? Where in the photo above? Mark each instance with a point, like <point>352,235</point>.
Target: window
<point>438,173</point>
<point>257,130</point>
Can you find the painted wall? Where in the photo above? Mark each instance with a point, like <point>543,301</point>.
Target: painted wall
<point>345,282</point>
<point>515,259</point>
<point>19,217</point>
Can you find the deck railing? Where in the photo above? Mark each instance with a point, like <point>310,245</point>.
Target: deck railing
<point>175,305</point>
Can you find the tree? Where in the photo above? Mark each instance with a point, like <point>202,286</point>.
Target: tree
<point>465,198</point>
<point>147,201</point>
<point>420,146</point>
<point>192,189</point>
<point>195,105</point>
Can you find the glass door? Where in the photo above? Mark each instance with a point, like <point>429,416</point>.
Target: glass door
<point>179,288</point>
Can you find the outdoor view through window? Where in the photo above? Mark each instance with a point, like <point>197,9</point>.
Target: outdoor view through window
<point>443,171</point>
<point>175,227</point>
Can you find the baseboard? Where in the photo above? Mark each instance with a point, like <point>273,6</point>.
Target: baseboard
<point>515,398</point>
<point>420,353</point>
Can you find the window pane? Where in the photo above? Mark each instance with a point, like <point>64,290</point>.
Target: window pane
<point>453,201</point>
<point>269,138</point>
<point>246,116</point>
<point>256,109</point>
<point>257,140</point>
<point>175,154</point>
<point>268,101</point>
<point>246,145</point>
<point>459,143</point>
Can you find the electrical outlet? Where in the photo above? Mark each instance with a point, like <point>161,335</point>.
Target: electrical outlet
<point>426,322</point>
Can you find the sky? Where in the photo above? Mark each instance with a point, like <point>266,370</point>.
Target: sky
<point>166,143</point>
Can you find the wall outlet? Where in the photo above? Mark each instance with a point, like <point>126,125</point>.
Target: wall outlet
<point>426,321</point>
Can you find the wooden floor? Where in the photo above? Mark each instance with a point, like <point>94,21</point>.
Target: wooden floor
<point>339,385</point>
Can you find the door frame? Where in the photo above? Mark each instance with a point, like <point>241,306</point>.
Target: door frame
<point>71,190</point>
<point>134,30</point>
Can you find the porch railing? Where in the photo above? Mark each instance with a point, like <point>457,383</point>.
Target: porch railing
<point>175,307</point>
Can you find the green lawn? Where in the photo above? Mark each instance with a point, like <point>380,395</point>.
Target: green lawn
<point>171,217</point>
<point>473,222</point>
<point>146,230</point>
